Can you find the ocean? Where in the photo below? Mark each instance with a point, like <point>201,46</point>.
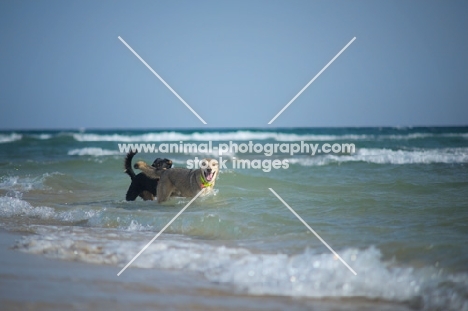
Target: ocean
<point>395,209</point>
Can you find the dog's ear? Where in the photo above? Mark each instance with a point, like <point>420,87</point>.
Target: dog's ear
<point>157,163</point>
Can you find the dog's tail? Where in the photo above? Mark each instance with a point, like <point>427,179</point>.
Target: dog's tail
<point>128,164</point>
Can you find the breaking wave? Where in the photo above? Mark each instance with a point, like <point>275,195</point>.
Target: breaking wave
<point>249,135</point>
<point>388,156</point>
<point>306,274</point>
<point>10,137</point>
<point>93,151</point>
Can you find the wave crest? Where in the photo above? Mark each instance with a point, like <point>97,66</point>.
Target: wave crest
<point>388,156</point>
<point>93,151</point>
<point>10,138</point>
<point>307,274</point>
<point>251,135</point>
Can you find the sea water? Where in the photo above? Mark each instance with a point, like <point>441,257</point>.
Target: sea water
<point>395,210</point>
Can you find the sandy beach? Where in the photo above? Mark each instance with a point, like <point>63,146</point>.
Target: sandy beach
<point>31,282</point>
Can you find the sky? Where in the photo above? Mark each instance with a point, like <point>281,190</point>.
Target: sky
<point>236,63</point>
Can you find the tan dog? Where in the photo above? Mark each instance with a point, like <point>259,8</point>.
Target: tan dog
<point>182,181</point>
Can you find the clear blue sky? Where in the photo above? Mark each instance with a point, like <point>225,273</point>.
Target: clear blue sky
<point>237,63</point>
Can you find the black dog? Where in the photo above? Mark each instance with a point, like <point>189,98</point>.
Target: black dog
<point>142,185</point>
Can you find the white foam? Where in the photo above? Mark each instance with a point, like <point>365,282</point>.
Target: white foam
<point>251,135</point>
<point>26,183</point>
<point>10,138</point>
<point>211,154</point>
<point>388,156</point>
<point>8,182</point>
<point>42,136</point>
<point>407,136</point>
<point>16,207</point>
<point>422,136</point>
<point>307,274</point>
<point>462,135</point>
<point>135,226</point>
<point>214,136</point>
<point>93,151</point>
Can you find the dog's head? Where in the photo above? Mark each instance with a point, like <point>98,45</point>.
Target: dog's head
<point>209,169</point>
<point>162,164</point>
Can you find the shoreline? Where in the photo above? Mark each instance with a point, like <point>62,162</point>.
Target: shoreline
<point>32,282</point>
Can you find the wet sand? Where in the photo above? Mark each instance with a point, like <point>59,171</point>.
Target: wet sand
<point>31,282</point>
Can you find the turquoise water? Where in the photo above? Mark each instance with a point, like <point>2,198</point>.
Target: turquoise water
<point>395,210</point>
